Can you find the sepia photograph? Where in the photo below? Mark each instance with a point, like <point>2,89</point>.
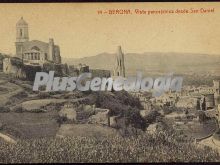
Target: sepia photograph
<point>110,82</point>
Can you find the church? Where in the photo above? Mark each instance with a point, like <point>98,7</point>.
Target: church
<point>34,52</point>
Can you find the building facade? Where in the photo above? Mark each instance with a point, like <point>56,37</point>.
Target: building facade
<point>34,52</point>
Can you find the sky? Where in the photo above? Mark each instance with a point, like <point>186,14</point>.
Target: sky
<point>80,31</point>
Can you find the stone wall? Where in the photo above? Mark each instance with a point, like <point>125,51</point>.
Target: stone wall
<point>100,73</point>
<point>59,69</point>
<point>9,67</point>
<point>1,62</point>
<point>187,102</point>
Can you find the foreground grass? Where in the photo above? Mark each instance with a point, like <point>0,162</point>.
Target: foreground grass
<point>145,148</point>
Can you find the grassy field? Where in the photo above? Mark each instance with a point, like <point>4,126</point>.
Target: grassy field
<point>86,130</point>
<point>161,147</point>
<point>29,125</point>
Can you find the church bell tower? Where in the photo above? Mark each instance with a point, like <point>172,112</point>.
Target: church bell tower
<point>21,36</point>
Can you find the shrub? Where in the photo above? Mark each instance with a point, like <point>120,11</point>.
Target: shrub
<point>18,109</point>
<point>217,135</point>
<point>169,109</point>
<point>152,116</point>
<point>61,120</point>
<point>121,104</point>
<point>202,116</point>
<point>4,109</point>
<point>43,95</point>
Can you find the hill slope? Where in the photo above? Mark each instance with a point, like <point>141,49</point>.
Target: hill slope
<point>154,62</point>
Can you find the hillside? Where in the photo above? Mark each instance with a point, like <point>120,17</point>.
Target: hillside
<point>153,62</point>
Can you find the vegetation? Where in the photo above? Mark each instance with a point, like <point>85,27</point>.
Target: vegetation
<point>123,105</point>
<point>61,120</point>
<point>217,135</point>
<point>169,109</point>
<point>152,116</point>
<point>198,80</point>
<point>161,147</point>
<point>202,117</point>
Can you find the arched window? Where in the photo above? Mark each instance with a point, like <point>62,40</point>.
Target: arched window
<point>35,48</point>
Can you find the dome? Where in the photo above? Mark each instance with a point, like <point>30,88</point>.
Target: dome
<point>21,22</point>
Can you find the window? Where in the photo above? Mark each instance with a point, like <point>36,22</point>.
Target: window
<point>45,56</point>
<point>35,48</point>
<point>35,56</point>
<point>21,33</point>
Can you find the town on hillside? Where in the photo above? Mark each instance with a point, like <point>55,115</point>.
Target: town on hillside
<point>109,126</point>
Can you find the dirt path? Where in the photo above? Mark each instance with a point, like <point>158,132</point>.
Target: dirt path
<point>211,143</point>
<point>7,138</point>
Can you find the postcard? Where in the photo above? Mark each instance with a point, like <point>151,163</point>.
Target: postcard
<point>109,82</point>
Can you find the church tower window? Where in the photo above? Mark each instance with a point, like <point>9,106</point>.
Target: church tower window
<point>21,32</point>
